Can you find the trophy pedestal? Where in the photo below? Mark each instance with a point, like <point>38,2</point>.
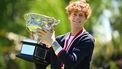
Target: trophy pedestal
<point>33,52</point>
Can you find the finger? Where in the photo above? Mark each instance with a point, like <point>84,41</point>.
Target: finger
<point>53,34</point>
<point>47,31</point>
<point>42,38</point>
<point>38,29</point>
<point>44,30</point>
<point>41,32</point>
<point>39,40</point>
<point>51,30</point>
<point>32,35</point>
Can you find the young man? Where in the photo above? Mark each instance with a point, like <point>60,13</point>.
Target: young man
<point>76,47</point>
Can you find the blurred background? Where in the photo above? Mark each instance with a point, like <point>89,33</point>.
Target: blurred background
<point>105,24</point>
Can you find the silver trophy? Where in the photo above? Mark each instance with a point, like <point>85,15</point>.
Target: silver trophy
<point>35,21</point>
<point>31,50</point>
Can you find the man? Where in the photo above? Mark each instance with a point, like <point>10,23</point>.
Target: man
<point>75,47</point>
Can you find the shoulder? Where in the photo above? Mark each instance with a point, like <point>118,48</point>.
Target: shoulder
<point>87,38</point>
<point>61,37</point>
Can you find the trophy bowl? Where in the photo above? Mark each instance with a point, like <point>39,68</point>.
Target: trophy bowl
<point>30,49</point>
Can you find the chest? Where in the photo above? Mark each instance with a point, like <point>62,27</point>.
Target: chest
<point>70,45</point>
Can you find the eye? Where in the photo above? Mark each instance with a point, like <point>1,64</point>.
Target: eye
<point>80,14</point>
<point>75,14</point>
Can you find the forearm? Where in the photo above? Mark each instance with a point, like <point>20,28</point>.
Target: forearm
<point>65,57</point>
<point>57,47</point>
<point>76,55</point>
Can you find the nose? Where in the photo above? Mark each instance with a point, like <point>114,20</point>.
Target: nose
<point>75,17</point>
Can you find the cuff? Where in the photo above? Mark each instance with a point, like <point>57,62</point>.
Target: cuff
<point>57,47</point>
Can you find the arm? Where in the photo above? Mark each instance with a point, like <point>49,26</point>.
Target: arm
<point>78,54</point>
<point>83,50</point>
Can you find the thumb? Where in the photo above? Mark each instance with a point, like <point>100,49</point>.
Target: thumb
<point>53,36</point>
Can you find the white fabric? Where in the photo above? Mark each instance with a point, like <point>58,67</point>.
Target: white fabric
<point>70,39</point>
<point>58,50</point>
<point>56,46</point>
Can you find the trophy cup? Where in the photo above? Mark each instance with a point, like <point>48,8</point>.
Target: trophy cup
<point>30,49</point>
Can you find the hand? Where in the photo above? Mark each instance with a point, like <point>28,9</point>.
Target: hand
<point>46,37</point>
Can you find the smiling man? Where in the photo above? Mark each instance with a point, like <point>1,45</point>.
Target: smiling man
<point>75,47</point>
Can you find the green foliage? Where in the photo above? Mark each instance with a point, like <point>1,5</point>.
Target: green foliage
<point>12,21</point>
<point>113,65</point>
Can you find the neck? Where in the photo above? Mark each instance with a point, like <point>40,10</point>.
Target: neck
<point>75,29</point>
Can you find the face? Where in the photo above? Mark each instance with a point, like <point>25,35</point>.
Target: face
<point>77,17</point>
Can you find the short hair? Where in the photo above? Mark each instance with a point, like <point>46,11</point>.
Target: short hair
<point>79,6</point>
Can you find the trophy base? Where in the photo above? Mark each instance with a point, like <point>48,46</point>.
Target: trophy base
<point>25,57</point>
<point>31,58</point>
<point>33,52</point>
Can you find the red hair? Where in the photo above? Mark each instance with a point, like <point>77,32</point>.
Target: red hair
<point>79,6</point>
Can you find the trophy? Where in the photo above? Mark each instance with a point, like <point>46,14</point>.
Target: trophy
<point>30,49</point>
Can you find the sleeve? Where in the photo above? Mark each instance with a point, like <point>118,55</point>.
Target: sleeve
<point>78,53</point>
<point>40,66</point>
<point>58,44</point>
<point>57,47</point>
